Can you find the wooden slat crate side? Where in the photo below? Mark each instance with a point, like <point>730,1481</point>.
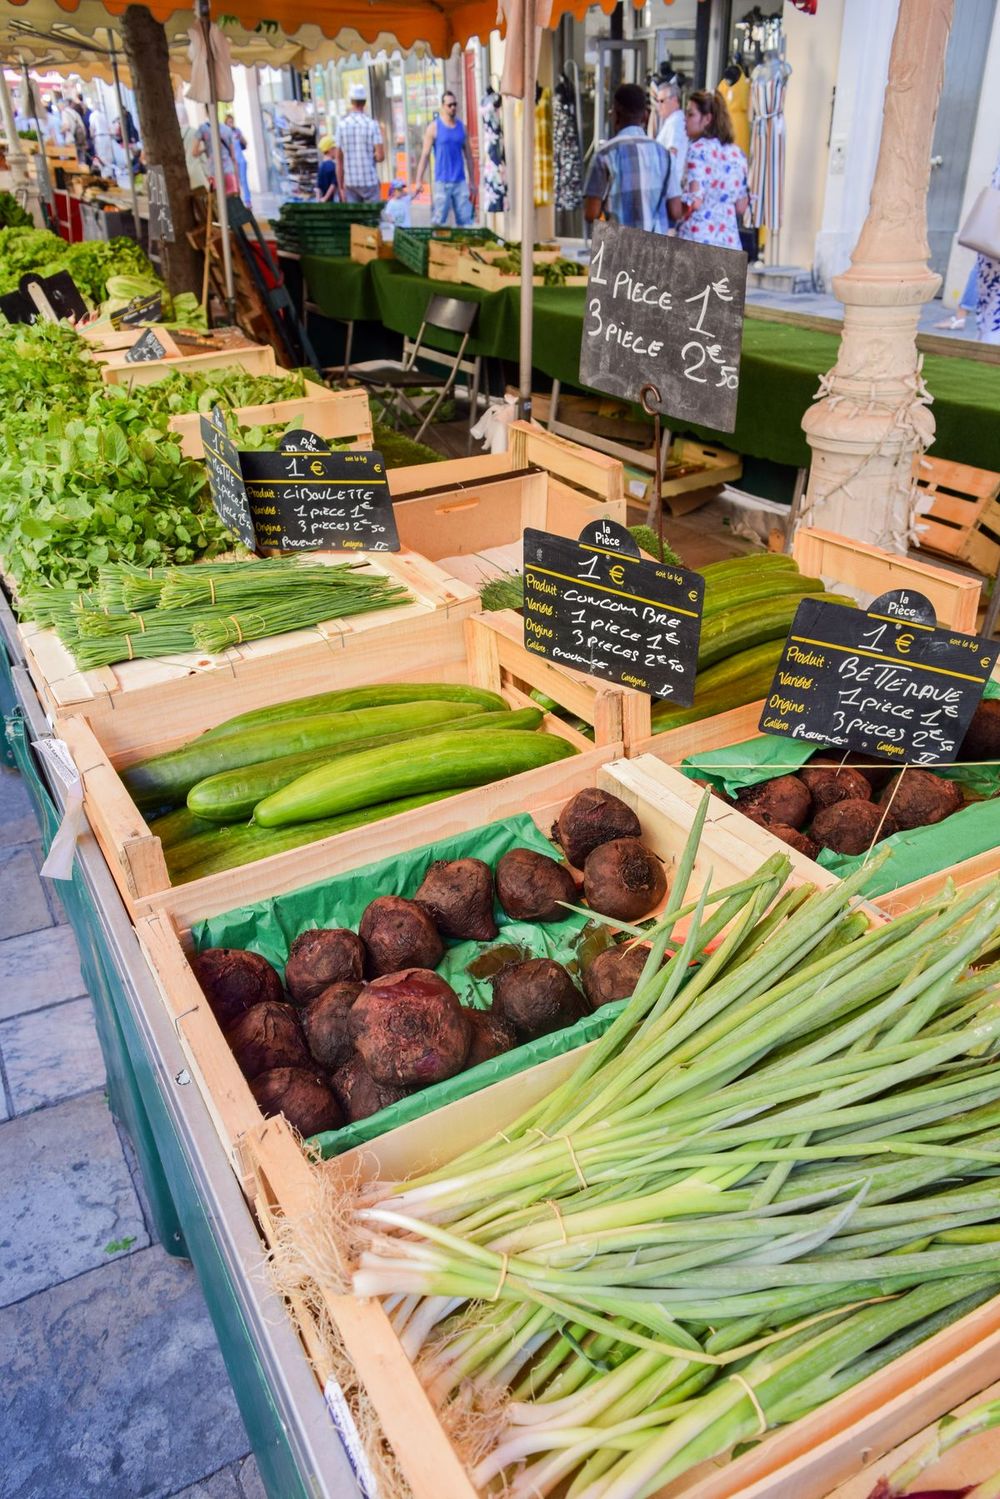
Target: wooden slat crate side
<point>969,546</point>
<point>580,467</point>
<point>874,571</point>
<point>258,359</point>
<point>412,480</point>
<point>497,654</point>
<point>674,745</point>
<point>941,473</point>
<point>336,414</point>
<point>134,854</point>
<point>964,503</point>
<point>474,517</point>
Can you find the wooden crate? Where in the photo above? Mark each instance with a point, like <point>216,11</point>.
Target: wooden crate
<point>166,693</point>
<point>164,925</point>
<point>102,745</point>
<point>256,359</point>
<point>337,414</point>
<point>367,244</point>
<point>444,255</point>
<point>872,571</point>
<point>964,519</point>
<point>490,278</point>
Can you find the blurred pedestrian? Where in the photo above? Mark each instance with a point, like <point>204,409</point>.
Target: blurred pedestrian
<point>714,187</point>
<point>446,137</point>
<point>360,150</point>
<point>629,178</point>
<point>239,151</point>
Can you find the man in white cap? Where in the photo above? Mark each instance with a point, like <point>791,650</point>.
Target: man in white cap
<point>359,150</point>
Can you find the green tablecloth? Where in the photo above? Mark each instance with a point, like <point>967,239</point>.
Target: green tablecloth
<point>780,371</point>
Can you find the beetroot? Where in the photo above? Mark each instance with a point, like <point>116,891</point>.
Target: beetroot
<point>784,799</point>
<point>801,842</point>
<point>537,997</point>
<point>319,958</point>
<point>876,775</point>
<point>491,1037</point>
<point>266,1037</point>
<point>326,1023</point>
<point>614,974</point>
<point>828,785</point>
<point>623,879</point>
<point>410,1029</point>
<point>457,895</point>
<point>301,1095</point>
<point>849,827</point>
<point>358,1094</point>
<point>530,886</point>
<point>982,737</point>
<point>917,799</point>
<point>590,818</point>
<point>399,934</point>
<point>234,981</point>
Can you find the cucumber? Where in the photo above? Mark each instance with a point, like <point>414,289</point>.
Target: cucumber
<point>755,662</point>
<point>735,566</point>
<point>753,624</point>
<point>380,695</point>
<point>229,847</point>
<point>708,704</point>
<point>232,795</point>
<point>761,586</point>
<point>437,763</point>
<point>166,779</point>
<point>177,826</point>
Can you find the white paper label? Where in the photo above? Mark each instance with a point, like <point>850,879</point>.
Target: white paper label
<point>59,860</point>
<point>356,1455</point>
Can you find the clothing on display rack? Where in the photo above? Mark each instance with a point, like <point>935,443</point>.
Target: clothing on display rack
<point>988,300</point>
<point>543,147</point>
<point>768,84</point>
<point>567,162</point>
<point>734,87</point>
<point>493,168</point>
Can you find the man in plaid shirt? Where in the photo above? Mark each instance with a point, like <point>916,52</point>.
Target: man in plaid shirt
<point>359,150</point>
<point>629,178</point>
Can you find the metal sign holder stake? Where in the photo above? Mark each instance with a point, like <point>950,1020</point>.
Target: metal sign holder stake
<point>647,394</point>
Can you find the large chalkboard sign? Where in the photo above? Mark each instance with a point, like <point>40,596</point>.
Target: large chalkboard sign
<point>886,681</point>
<point>666,312</point>
<point>161,223</point>
<point>596,605</point>
<point>146,348</point>
<point>225,478</point>
<point>305,498</point>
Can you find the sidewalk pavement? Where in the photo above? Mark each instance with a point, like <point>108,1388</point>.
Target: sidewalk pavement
<point>112,1385</point>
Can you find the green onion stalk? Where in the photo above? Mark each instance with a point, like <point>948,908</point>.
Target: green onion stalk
<point>775,1172</point>
<point>949,1432</point>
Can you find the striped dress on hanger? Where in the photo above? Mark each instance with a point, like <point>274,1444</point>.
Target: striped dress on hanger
<point>767,149</point>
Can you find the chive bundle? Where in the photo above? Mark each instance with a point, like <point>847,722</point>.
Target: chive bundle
<point>775,1173</point>
<point>279,614</point>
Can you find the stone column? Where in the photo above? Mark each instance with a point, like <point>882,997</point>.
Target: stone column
<point>873,417</point>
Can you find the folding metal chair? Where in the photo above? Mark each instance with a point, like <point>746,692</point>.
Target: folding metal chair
<point>392,379</point>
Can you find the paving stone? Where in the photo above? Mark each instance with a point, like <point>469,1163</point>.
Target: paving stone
<point>24,907</point>
<point>221,1485</point>
<point>51,1054</point>
<point>18,823</point>
<point>65,1196</point>
<point>115,1386</point>
<point>251,1483</point>
<point>39,968</point>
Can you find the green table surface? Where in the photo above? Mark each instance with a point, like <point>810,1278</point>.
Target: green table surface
<point>778,382</point>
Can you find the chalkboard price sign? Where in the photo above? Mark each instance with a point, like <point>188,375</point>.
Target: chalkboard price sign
<point>665,312</point>
<point>146,348</point>
<point>50,298</point>
<point>161,223</point>
<point>596,605</point>
<point>887,681</point>
<point>305,498</point>
<point>139,310</point>
<point>225,478</point>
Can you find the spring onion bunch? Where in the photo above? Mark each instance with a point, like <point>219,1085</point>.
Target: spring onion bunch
<point>775,1172</point>
<point>290,609</point>
<point>240,585</point>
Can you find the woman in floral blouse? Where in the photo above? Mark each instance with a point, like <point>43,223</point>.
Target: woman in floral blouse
<point>714,190</point>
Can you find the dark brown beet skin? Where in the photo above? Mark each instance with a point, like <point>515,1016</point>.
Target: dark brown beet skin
<point>530,886</point>
<point>234,981</point>
<point>326,1022</point>
<point>982,737</point>
<point>266,1037</point>
<point>358,1094</point>
<point>410,1029</point>
<point>801,842</point>
<point>784,799</point>
<point>590,818</point>
<point>321,957</point>
<point>536,997</point>
<point>876,775</point>
<point>457,895</point>
<point>614,974</point>
<point>399,934</point>
<point>849,827</point>
<point>491,1037</point>
<point>301,1095</point>
<point>827,785</point>
<point>916,799</point>
<point>623,879</point>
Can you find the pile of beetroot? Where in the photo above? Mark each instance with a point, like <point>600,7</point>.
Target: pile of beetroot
<point>363,1019</point>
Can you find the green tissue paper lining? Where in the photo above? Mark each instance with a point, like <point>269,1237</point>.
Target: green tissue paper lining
<point>268,927</point>
<point>914,854</point>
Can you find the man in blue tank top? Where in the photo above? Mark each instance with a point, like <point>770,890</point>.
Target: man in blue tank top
<point>446,137</point>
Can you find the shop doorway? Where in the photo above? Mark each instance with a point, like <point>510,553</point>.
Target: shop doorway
<point>964,65</point>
